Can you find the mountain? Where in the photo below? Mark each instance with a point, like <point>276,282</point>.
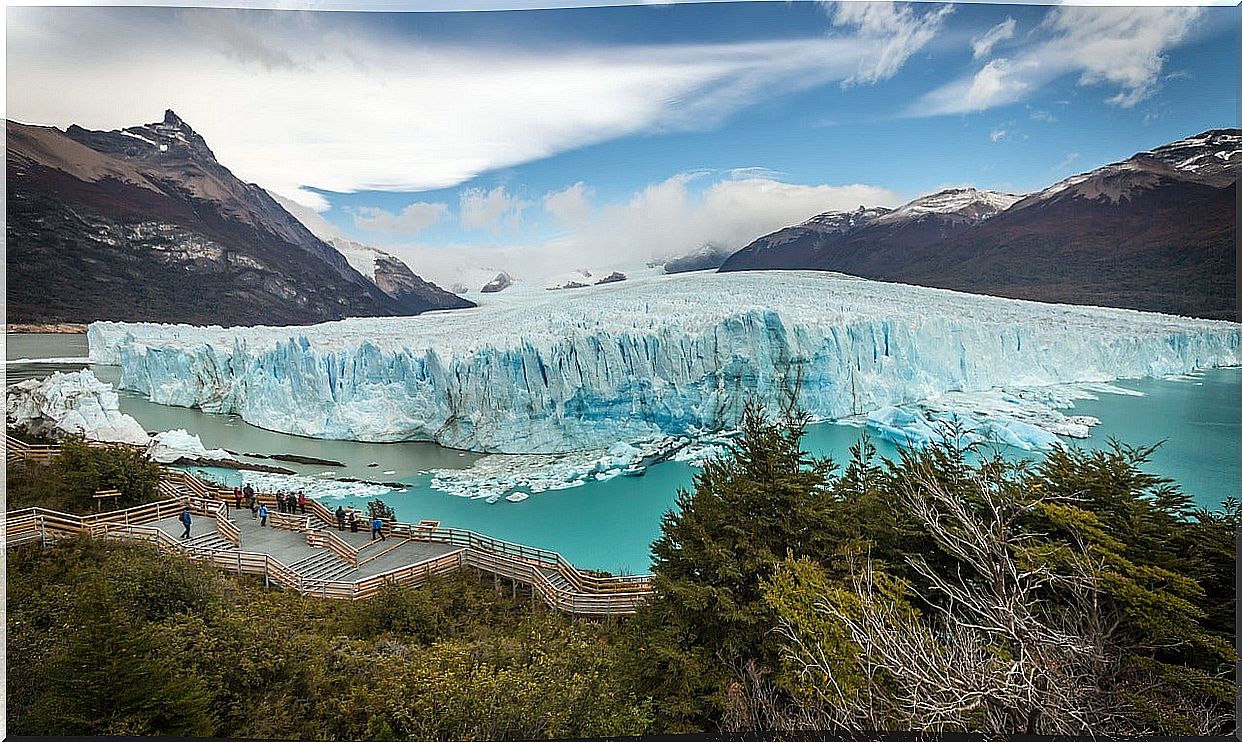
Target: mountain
<point>863,241</point>
<point>501,282</point>
<point>707,257</point>
<point>144,224</point>
<point>386,271</point>
<point>1155,232</point>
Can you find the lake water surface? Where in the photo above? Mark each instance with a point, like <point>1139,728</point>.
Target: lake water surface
<point>610,524</point>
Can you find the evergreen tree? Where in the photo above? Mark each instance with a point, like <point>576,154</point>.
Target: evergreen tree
<point>747,512</point>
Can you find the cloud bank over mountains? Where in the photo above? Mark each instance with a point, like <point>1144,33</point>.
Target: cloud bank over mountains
<point>333,102</point>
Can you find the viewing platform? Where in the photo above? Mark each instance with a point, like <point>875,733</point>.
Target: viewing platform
<point>308,553</point>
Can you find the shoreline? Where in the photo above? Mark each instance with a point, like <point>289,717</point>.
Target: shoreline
<point>49,328</point>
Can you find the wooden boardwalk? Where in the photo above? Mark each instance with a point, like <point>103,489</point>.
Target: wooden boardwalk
<point>309,554</point>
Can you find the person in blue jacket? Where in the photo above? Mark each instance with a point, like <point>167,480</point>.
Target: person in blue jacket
<point>185,521</point>
<point>262,515</point>
<point>377,529</point>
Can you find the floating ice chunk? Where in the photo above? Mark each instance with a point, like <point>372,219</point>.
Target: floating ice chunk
<point>73,403</point>
<point>170,445</point>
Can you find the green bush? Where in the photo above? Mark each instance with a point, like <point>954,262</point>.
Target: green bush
<point>69,481</point>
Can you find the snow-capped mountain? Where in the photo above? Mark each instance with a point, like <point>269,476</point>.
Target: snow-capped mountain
<point>955,205</point>
<point>388,272</point>
<point>1155,231</point>
<point>145,223</point>
<point>844,221</point>
<point>707,257</point>
<point>862,241</point>
<point>1213,158</point>
<point>501,282</point>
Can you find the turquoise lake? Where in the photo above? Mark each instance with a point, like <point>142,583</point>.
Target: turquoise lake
<point>611,524</point>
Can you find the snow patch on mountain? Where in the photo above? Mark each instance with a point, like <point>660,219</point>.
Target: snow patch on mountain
<point>970,204</point>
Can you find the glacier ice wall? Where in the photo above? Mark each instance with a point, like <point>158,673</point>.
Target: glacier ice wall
<point>643,359</point>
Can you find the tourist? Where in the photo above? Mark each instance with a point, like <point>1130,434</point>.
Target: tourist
<point>280,502</point>
<point>377,529</point>
<point>302,502</point>
<point>262,515</point>
<point>353,520</point>
<point>253,503</point>
<point>248,491</point>
<point>340,517</point>
<point>185,520</point>
<point>237,497</point>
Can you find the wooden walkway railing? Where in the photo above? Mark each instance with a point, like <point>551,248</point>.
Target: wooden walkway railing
<point>551,576</point>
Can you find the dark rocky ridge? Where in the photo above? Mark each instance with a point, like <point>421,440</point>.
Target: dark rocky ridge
<point>144,224</point>
<point>707,257</point>
<point>1155,232</point>
<point>501,282</point>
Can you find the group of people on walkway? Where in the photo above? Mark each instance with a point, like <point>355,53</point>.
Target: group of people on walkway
<point>293,503</point>
<point>354,516</point>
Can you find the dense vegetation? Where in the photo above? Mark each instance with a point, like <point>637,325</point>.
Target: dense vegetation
<point>114,638</point>
<point>68,483</point>
<point>947,590</point>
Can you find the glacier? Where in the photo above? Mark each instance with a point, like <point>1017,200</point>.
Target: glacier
<point>647,360</point>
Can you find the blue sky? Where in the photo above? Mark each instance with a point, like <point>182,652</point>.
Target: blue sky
<point>491,137</point>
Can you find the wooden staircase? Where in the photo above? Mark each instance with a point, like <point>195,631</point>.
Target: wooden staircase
<point>322,565</point>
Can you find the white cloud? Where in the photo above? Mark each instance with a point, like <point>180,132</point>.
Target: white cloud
<point>572,206</point>
<point>998,134</point>
<point>669,218</point>
<point>1119,47</point>
<point>495,210</point>
<point>1044,116</point>
<point>412,220</point>
<point>982,45</point>
<point>340,103</point>
<point>895,32</point>
<point>311,218</point>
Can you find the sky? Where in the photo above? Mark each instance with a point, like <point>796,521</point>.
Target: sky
<point>538,141</point>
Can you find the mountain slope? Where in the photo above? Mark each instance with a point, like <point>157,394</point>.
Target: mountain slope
<point>386,271</point>
<point>145,224</point>
<point>1169,248</point>
<point>864,241</point>
<point>1154,232</point>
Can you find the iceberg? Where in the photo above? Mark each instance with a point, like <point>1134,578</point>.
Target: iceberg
<point>72,404</point>
<point>652,358</point>
<point>170,445</point>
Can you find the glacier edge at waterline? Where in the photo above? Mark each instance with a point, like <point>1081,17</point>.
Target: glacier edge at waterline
<point>645,360</point>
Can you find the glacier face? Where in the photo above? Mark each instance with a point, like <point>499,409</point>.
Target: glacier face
<point>671,355</point>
